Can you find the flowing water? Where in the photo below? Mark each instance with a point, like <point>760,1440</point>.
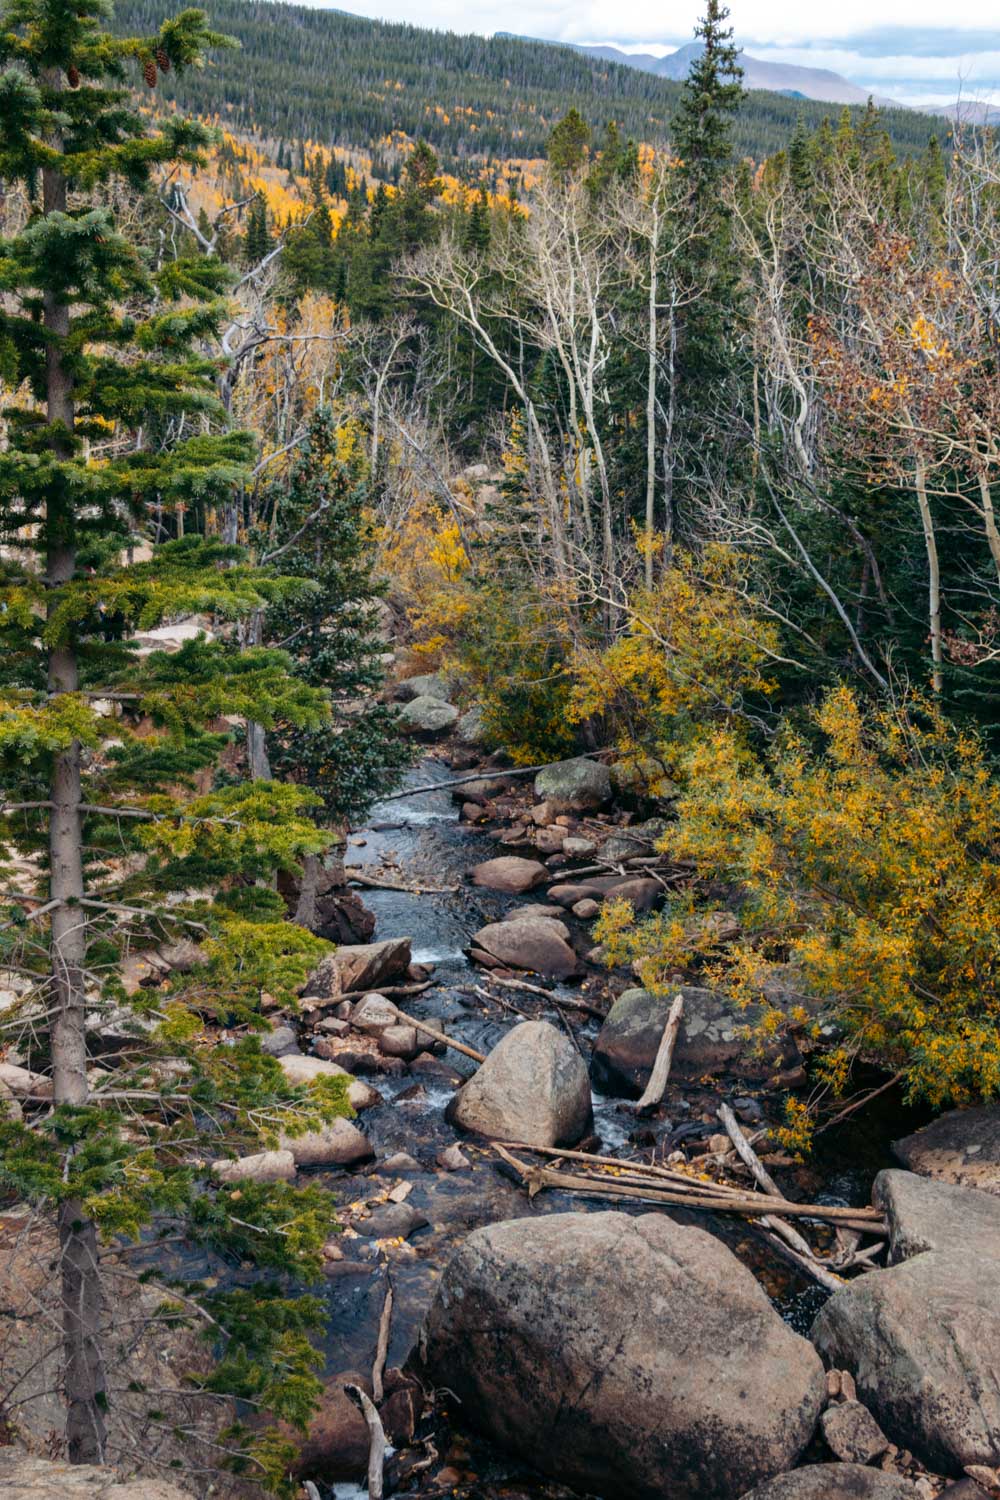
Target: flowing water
<point>419,839</point>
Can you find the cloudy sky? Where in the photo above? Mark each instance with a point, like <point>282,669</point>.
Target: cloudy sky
<point>894,47</point>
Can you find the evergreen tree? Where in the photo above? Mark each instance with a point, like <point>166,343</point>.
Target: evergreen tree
<point>110,810</point>
<point>567,145</point>
<point>257,242</point>
<point>702,127</point>
<point>318,509</point>
<point>476,237</point>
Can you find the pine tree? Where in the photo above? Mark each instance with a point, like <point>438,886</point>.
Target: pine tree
<point>567,145</point>
<point>257,243</point>
<point>103,348</point>
<point>477,225</point>
<point>702,126</point>
<point>318,510</point>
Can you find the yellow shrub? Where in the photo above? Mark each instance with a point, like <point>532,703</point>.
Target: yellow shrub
<point>868,855</point>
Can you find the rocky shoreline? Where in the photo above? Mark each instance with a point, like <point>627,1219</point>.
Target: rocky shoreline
<point>624,1352</point>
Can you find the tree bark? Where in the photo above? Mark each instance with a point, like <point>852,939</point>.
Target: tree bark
<point>84,1376</point>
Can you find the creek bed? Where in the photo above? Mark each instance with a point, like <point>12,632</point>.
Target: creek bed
<point>421,839</point>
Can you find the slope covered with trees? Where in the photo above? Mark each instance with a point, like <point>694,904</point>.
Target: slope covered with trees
<point>305,74</point>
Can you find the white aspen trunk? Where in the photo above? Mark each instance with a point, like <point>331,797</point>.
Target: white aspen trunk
<point>651,406</point>
<point>933,577</point>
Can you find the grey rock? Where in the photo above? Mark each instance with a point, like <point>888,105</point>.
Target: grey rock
<point>962,1146</point>
<point>425,685</point>
<point>428,717</point>
<point>835,1482</point>
<point>391,1221</point>
<point>921,1341</point>
<point>470,728</point>
<point>279,1042</point>
<point>534,943</point>
<point>711,1040</point>
<point>306,1070</point>
<point>532,1087</point>
<point>24,1477</point>
<point>535,909</point>
<point>574,786</point>
<point>925,1214</point>
<point>631,1357</point>
<point>852,1433</point>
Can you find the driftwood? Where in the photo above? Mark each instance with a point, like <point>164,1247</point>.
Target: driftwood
<point>699,1196</point>
<point>382,1347</point>
<point>664,1056</point>
<point>439,1036</point>
<point>569,1002</point>
<point>376,1440</point>
<point>776,1228</point>
<point>324,1002</point>
<point>360,877</point>
<point>488,773</point>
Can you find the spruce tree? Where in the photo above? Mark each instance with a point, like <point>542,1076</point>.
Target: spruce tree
<point>128,833</point>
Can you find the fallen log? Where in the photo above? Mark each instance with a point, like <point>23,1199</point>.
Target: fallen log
<point>488,773</point>
<point>382,1346</point>
<point>439,1036</point>
<point>747,1205</point>
<point>569,1001</point>
<point>376,1440</point>
<point>360,877</point>
<point>664,1056</point>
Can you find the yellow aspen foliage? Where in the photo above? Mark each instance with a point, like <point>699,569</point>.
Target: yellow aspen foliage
<point>693,648</point>
<point>867,852</point>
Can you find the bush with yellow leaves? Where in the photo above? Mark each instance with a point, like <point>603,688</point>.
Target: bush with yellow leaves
<point>692,652</point>
<point>868,858</point>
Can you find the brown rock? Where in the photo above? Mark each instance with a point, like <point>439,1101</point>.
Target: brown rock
<point>509,873</point>
<point>399,1041</point>
<point>852,1433</point>
<point>630,1357</point>
<point>962,1146</point>
<point>306,1069</point>
<point>336,1444</point>
<point>361,967</point>
<point>265,1166</point>
<point>586,909</point>
<point>452,1159</point>
<point>836,1482</point>
<point>535,943</point>
<point>549,840</point>
<point>532,1087</point>
<point>339,1144</point>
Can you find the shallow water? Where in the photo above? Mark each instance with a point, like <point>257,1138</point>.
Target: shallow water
<point>421,839</point>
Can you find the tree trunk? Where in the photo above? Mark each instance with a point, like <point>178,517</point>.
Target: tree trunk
<point>933,577</point>
<point>84,1376</point>
<point>651,410</point>
<point>305,909</point>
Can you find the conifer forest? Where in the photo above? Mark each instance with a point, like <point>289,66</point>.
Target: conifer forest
<point>499,771</point>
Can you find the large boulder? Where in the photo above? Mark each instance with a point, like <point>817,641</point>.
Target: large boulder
<point>425,685</point>
<point>712,1039</point>
<point>25,1477</point>
<point>634,1358</point>
<point>509,873</point>
<point>572,786</point>
<point>305,1070</point>
<point>961,1146</point>
<point>428,717</point>
<point>924,1214</point>
<point>471,728</point>
<point>921,1341</point>
<point>338,1144</point>
<point>533,1087</point>
<point>642,891</point>
<point>535,943</point>
<point>835,1482</point>
<point>363,966</point>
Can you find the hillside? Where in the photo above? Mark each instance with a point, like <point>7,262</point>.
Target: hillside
<point>344,80</point>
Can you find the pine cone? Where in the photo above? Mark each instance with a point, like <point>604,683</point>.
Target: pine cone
<point>73,76</point>
<point>162,60</point>
<point>149,72</point>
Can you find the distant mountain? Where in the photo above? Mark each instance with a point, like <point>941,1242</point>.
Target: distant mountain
<point>776,78</point>
<point>967,111</point>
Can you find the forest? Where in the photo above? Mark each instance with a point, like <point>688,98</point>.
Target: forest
<point>499,787</point>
